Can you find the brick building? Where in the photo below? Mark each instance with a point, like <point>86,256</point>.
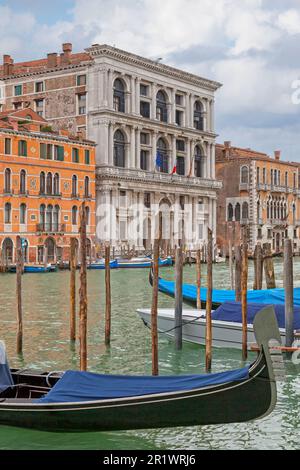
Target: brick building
<point>260,192</point>
<point>44,177</point>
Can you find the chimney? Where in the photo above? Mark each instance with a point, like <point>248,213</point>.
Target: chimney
<point>8,65</point>
<point>67,52</point>
<point>52,60</point>
<point>227,145</point>
<point>277,154</point>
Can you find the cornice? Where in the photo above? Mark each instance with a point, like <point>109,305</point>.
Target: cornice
<point>46,71</point>
<point>104,50</point>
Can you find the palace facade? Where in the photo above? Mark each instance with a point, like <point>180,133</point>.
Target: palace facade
<point>154,129</point>
<point>260,192</point>
<point>44,178</point>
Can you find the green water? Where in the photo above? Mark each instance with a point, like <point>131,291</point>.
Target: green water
<point>46,346</point>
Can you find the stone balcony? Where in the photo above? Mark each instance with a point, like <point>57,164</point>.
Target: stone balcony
<point>130,174</point>
<point>279,222</point>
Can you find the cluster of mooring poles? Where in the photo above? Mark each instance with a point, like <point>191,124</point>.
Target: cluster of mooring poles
<point>238,271</point>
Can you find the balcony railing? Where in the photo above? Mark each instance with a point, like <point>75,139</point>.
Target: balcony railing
<point>8,191</point>
<point>149,176</point>
<point>51,228</point>
<point>45,194</point>
<point>277,222</point>
<point>87,196</point>
<point>75,196</point>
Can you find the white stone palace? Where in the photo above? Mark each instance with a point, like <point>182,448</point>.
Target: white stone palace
<point>140,113</point>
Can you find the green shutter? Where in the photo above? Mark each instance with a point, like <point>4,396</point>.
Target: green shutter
<point>87,157</point>
<point>60,154</point>
<point>25,148</point>
<point>43,152</point>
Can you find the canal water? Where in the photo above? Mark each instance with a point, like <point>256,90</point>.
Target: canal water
<point>46,346</point>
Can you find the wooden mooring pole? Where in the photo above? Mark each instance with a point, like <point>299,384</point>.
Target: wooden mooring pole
<point>178,298</point>
<point>238,272</point>
<point>198,266</point>
<point>83,291</point>
<point>269,266</point>
<point>230,265</point>
<point>73,265</point>
<point>258,267</point>
<point>208,330</point>
<point>244,288</point>
<point>107,296</point>
<point>289,292</point>
<point>154,331</point>
<point>19,265</point>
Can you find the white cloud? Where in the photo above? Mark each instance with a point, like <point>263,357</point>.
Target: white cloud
<point>290,21</point>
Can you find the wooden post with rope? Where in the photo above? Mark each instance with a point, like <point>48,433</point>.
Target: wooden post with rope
<point>269,266</point>
<point>73,265</point>
<point>208,331</point>
<point>19,264</point>
<point>107,296</point>
<point>244,288</point>
<point>83,291</point>
<point>178,298</point>
<point>198,266</point>
<point>154,331</point>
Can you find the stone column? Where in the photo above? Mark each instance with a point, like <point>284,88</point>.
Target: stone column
<point>208,160</point>
<point>137,148</point>
<point>153,100</point>
<point>108,89</point>
<point>113,230</point>
<point>137,96</point>
<point>213,161</point>
<point>191,111</point>
<point>212,116</point>
<point>154,149</point>
<point>190,169</point>
<point>102,148</point>
<point>174,152</point>
<point>173,106</point>
<point>132,95</point>
<point>110,144</point>
<point>132,148</point>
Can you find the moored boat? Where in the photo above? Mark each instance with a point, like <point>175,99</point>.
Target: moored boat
<point>143,262</point>
<point>81,401</point>
<point>39,268</point>
<point>226,323</point>
<point>113,264</point>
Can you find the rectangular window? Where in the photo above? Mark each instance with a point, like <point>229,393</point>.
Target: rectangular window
<point>22,148</point>
<point>200,231</point>
<point>18,90</point>
<point>181,202</point>
<point>123,199</point>
<point>179,99</point>
<point>46,151</point>
<point>59,153</point>
<point>75,155</point>
<point>264,176</point>
<point>18,105</point>
<point>180,166</point>
<point>123,230</point>
<point>144,89</point>
<point>145,109</point>
<point>39,107</point>
<point>147,200</point>
<point>81,80</point>
<point>39,87</point>
<point>179,117</point>
<point>180,145</point>
<point>87,157</point>
<point>7,146</point>
<point>257,175</point>
<point>145,138</point>
<point>81,103</point>
<point>144,159</point>
<point>269,233</point>
<point>259,234</point>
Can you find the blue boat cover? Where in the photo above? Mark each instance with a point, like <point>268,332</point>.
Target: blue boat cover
<point>266,296</point>
<point>75,386</point>
<point>232,312</point>
<point>5,376</point>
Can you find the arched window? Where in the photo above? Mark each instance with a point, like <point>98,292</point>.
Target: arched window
<point>119,96</point>
<point>245,212</point>
<point>87,215</point>
<point>198,116</point>
<point>22,182</point>
<point>8,250</point>
<point>199,162</point>
<point>56,218</point>
<point>237,212</point>
<point>162,155</point>
<point>42,217</point>
<point>42,183</point>
<point>161,106</point>
<point>74,215</point>
<point>119,149</point>
<point>23,214</point>
<point>86,186</point>
<point>7,215</point>
<point>244,175</point>
<point>56,184</point>
<point>7,180</point>
<point>258,209</point>
<point>74,186</point>
<point>49,184</point>
<point>229,213</point>
<point>268,209</point>
<point>49,218</point>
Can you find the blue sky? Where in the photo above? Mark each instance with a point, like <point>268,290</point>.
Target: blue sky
<point>251,46</point>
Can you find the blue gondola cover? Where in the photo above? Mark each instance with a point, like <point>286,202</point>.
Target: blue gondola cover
<point>5,375</point>
<point>75,386</point>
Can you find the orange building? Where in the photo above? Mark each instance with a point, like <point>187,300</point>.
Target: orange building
<point>44,178</point>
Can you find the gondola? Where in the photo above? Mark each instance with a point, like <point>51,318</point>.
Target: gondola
<point>81,401</point>
<point>219,296</point>
<point>32,269</point>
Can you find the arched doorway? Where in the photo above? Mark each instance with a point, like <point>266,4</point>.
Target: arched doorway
<point>7,251</point>
<point>50,247</point>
